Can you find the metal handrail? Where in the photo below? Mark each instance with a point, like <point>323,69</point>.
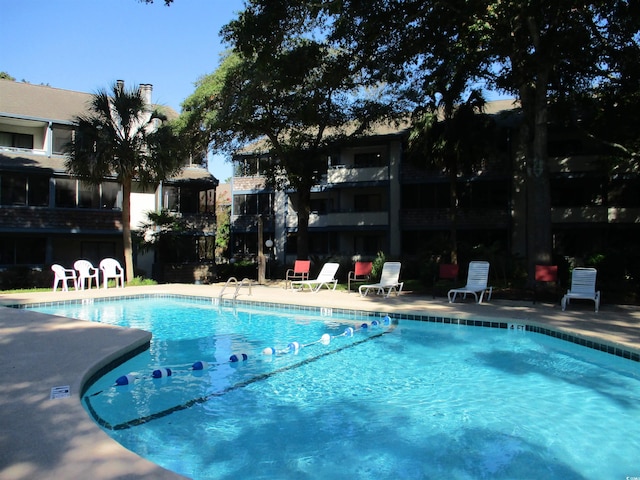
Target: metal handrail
<point>238,286</point>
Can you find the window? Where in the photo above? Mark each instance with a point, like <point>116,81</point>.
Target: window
<point>367,244</point>
<point>251,167</point>
<point>368,159</point>
<point>323,243</point>
<point>494,194</point>
<point>16,140</point>
<point>88,195</point>
<point>38,191</point>
<point>17,189</point>
<point>321,206</point>
<point>189,200</point>
<point>170,200</point>
<point>576,192</point>
<point>61,137</point>
<point>367,203</point>
<point>207,201</point>
<point>110,194</point>
<point>96,251</point>
<point>22,251</point>
<point>65,193</point>
<point>13,189</point>
<point>253,204</point>
<point>434,195</point>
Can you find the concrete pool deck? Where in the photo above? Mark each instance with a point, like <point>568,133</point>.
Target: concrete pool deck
<point>45,434</point>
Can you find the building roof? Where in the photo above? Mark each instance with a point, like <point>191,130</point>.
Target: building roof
<point>377,130</point>
<point>42,102</point>
<point>55,164</point>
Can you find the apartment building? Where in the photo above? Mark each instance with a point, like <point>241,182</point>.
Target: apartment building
<point>371,199</point>
<point>48,216</point>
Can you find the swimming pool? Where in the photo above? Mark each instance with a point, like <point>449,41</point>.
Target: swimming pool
<point>406,400</point>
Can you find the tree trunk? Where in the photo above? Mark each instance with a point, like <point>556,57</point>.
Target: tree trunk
<point>453,212</point>
<point>126,228</point>
<point>539,245</point>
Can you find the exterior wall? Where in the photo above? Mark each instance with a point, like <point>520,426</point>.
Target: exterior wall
<point>141,204</point>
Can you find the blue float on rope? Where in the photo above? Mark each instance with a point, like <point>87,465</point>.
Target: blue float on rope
<point>161,373</point>
<point>364,326</point>
<point>199,365</point>
<point>386,320</point>
<point>125,380</point>
<point>238,357</point>
<point>269,351</point>
<point>375,323</point>
<point>293,347</point>
<point>348,332</point>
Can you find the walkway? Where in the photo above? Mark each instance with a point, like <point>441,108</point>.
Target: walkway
<point>50,438</point>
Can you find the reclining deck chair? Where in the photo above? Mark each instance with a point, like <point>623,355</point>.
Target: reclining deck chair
<point>325,277</point>
<point>300,271</point>
<point>477,280</point>
<point>361,273</point>
<point>389,281</point>
<point>583,285</point>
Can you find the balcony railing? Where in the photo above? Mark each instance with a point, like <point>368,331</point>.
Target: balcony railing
<point>249,223</point>
<point>432,218</point>
<point>595,215</point>
<point>342,219</point>
<point>343,174</point>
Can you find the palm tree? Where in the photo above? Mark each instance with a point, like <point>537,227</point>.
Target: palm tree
<point>119,137</point>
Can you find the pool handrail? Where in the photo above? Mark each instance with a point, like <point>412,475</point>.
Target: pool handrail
<point>238,286</point>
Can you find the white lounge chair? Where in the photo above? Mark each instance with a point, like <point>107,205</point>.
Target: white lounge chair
<point>389,281</point>
<point>326,277</point>
<point>86,272</point>
<point>62,277</point>
<point>583,285</point>
<point>477,279</point>
<point>111,269</point>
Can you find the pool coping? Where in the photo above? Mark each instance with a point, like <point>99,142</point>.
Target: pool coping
<point>46,437</point>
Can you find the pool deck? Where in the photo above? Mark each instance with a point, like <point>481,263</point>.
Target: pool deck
<point>47,435</point>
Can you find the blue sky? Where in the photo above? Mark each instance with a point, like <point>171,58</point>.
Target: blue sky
<point>87,45</point>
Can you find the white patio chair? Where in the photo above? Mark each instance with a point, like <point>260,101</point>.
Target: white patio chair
<point>326,277</point>
<point>477,279</point>
<point>62,277</point>
<point>583,286</point>
<point>389,281</point>
<point>111,269</point>
<point>86,272</point>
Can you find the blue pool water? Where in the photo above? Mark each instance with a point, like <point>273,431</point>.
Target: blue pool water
<point>411,400</point>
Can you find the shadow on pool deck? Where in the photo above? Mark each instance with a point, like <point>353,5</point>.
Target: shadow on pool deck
<point>45,438</point>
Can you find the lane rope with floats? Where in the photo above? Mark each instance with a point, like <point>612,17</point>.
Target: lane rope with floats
<point>291,348</point>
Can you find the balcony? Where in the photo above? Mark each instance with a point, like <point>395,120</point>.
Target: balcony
<point>595,215</point>
<point>343,174</point>
<point>249,223</point>
<point>438,218</point>
<point>342,219</point>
